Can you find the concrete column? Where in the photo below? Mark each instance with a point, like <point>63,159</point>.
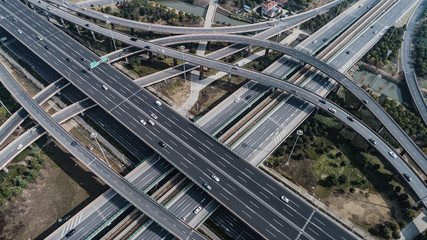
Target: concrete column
<point>266,52</point>
<point>93,35</point>
<point>132,31</point>
<point>63,23</point>
<point>229,78</point>
<point>201,73</point>
<point>47,16</point>
<point>150,56</point>
<point>112,26</point>
<point>175,62</point>
<point>78,29</point>
<point>249,48</point>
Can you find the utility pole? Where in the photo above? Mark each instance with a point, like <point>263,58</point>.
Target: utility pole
<point>299,133</point>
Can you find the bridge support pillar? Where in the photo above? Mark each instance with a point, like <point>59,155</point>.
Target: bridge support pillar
<point>266,52</point>
<point>47,16</point>
<point>93,35</point>
<point>150,56</point>
<point>132,31</point>
<point>229,78</point>
<point>63,23</point>
<point>201,72</point>
<point>175,62</point>
<point>249,48</point>
<point>112,26</point>
<point>78,29</point>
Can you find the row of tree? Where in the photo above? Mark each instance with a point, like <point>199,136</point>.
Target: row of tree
<point>136,9</point>
<point>320,20</point>
<point>420,42</point>
<point>387,48</point>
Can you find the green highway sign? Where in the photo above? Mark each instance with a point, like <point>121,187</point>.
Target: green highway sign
<point>95,64</point>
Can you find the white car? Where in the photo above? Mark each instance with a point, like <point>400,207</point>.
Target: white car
<point>236,100</point>
<point>151,122</point>
<point>161,50</point>
<point>392,154</point>
<point>158,103</point>
<point>19,146</point>
<point>105,87</point>
<point>19,31</point>
<point>214,177</point>
<point>285,199</point>
<point>142,122</point>
<point>332,110</point>
<point>197,210</point>
<point>153,116</point>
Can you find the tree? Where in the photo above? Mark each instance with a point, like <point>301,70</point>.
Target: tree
<point>342,179</point>
<point>108,9</point>
<point>332,180</point>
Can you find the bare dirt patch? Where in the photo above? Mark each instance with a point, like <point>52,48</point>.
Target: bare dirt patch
<point>364,208</point>
<point>176,89</point>
<point>63,187</point>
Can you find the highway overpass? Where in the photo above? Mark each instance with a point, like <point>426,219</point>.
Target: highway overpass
<point>227,191</point>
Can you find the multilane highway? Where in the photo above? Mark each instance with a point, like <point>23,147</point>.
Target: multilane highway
<point>114,180</point>
<point>230,191</point>
<point>19,116</point>
<point>19,144</point>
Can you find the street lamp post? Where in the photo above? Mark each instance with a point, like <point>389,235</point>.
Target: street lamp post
<point>299,133</point>
<point>5,108</point>
<point>111,32</point>
<point>93,135</point>
<point>182,47</point>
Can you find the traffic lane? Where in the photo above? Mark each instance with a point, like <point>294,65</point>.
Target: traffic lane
<point>121,134</point>
<point>191,199</point>
<point>189,167</point>
<point>266,131</point>
<point>233,105</point>
<point>109,203</point>
<point>29,136</point>
<point>181,30</point>
<point>382,147</point>
<point>192,142</point>
<point>153,232</point>
<point>84,155</point>
<point>335,26</point>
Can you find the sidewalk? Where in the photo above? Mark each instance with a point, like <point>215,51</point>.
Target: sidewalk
<point>417,226</point>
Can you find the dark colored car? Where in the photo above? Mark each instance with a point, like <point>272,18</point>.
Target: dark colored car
<point>70,233</point>
<point>47,47</point>
<point>68,59</point>
<point>407,177</point>
<point>133,39</point>
<point>247,97</point>
<point>350,118</point>
<point>73,143</point>
<point>322,101</point>
<point>87,24</point>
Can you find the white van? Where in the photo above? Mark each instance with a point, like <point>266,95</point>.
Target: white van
<point>151,122</point>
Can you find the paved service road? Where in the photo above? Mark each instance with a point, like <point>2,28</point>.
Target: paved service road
<point>109,176</point>
<point>407,60</point>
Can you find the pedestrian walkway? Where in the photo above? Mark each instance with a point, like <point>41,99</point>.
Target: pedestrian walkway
<point>414,228</point>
